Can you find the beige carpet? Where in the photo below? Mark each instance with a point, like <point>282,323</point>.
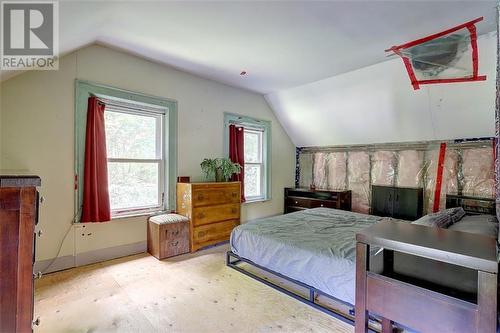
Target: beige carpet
<point>190,293</point>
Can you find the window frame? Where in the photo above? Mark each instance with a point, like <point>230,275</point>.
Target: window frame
<point>261,164</point>
<point>258,125</point>
<point>134,100</point>
<point>160,160</point>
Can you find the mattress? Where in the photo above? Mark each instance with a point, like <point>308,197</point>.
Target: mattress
<point>314,246</point>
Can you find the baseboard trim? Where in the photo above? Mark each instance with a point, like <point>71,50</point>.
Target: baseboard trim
<point>90,257</point>
<point>54,264</point>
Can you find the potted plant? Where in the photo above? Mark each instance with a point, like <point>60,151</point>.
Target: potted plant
<point>220,169</point>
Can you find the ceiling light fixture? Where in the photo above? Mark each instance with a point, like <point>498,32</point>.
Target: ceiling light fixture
<point>243,73</point>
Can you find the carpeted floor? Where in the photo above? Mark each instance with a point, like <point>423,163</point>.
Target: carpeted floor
<point>194,293</point>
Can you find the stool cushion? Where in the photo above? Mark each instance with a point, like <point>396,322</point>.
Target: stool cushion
<point>168,218</point>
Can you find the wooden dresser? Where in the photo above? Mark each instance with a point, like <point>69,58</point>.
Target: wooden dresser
<point>212,208</point>
<point>18,216</point>
<point>302,198</point>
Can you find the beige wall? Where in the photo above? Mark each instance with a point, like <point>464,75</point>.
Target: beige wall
<point>37,134</point>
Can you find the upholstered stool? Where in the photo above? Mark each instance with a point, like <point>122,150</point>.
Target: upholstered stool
<point>168,235</point>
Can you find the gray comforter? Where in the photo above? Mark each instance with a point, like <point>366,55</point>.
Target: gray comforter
<point>315,246</point>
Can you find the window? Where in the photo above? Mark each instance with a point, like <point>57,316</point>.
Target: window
<point>134,143</point>
<point>254,164</point>
<point>141,133</point>
<point>257,135</point>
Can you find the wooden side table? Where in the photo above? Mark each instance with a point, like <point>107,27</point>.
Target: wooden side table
<point>168,235</point>
<point>419,304</point>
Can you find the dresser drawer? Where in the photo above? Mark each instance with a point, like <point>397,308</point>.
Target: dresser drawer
<point>310,203</point>
<point>211,214</point>
<point>215,196</point>
<point>214,233</point>
<point>299,202</point>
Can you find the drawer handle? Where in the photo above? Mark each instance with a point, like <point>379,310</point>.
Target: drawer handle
<point>233,210</point>
<point>201,233</point>
<point>176,243</point>
<point>200,196</point>
<point>234,194</point>
<point>321,205</point>
<point>296,202</point>
<point>201,215</point>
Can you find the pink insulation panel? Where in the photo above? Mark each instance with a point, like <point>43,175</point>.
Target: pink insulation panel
<point>470,169</point>
<point>305,165</point>
<point>319,171</point>
<point>478,172</point>
<point>337,170</point>
<point>410,168</point>
<point>358,174</point>
<point>431,158</point>
<point>383,165</point>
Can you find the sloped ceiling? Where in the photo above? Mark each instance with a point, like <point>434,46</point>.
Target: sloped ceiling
<point>308,58</point>
<point>377,104</point>
<point>280,44</point>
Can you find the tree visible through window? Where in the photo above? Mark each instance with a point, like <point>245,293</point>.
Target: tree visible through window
<point>135,160</point>
<point>254,165</point>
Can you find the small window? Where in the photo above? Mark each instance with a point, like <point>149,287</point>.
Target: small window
<point>254,164</point>
<point>257,152</point>
<point>135,160</point>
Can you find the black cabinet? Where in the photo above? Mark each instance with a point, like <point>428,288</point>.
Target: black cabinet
<point>404,203</point>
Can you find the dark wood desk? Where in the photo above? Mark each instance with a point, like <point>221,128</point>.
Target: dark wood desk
<point>415,303</point>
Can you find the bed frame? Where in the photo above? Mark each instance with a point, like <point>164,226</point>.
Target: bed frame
<point>233,261</point>
<point>471,205</point>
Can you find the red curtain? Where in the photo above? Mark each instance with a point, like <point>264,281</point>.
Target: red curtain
<point>237,155</point>
<point>95,180</point>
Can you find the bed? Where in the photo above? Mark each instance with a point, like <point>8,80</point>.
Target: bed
<point>315,249</point>
<point>314,246</point>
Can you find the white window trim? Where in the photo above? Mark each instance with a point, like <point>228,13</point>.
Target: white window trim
<point>139,109</point>
<point>261,164</point>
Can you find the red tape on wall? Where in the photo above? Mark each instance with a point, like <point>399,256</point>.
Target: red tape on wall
<point>439,177</point>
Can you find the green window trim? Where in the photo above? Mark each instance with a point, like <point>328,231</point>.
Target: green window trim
<point>85,89</point>
<point>250,122</point>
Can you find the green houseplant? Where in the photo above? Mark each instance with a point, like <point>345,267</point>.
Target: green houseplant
<point>220,169</point>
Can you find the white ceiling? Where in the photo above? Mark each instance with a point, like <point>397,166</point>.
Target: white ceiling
<point>280,44</point>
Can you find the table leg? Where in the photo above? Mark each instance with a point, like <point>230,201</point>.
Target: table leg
<point>386,325</point>
<point>487,302</point>
<point>388,258</point>
<point>362,265</point>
